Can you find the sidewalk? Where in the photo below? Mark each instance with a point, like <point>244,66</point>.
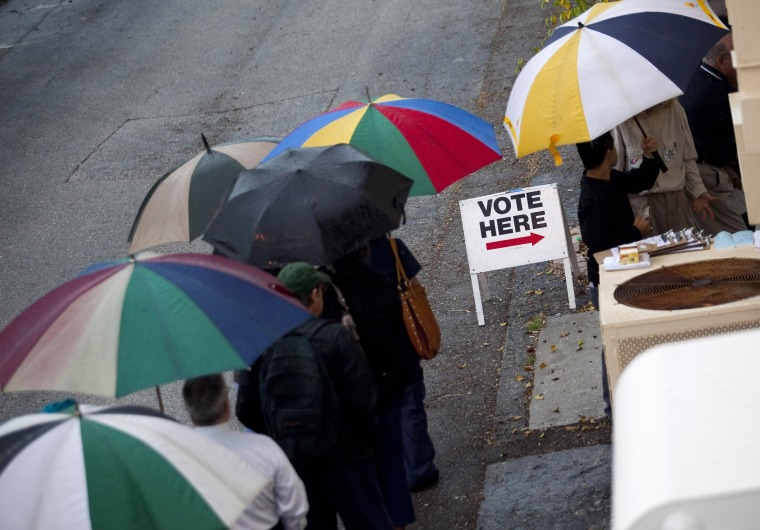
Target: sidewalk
<point>568,488</point>
<point>563,489</point>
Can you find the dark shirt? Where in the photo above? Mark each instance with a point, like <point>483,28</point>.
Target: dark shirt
<point>709,113</point>
<point>382,260</point>
<point>374,304</point>
<point>604,212</point>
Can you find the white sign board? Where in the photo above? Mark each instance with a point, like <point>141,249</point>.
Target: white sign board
<point>516,227</point>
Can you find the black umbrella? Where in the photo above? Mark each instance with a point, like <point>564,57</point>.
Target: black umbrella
<point>310,204</point>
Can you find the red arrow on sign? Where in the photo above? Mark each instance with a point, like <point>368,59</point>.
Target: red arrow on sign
<point>533,238</point>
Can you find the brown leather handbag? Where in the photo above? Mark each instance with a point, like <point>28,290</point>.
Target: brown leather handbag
<point>419,318</point>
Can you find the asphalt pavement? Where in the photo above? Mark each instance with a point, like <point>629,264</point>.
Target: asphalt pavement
<point>100,100</point>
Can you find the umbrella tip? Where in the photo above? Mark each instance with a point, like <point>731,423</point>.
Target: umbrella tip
<point>581,25</point>
<point>205,142</point>
<point>369,99</point>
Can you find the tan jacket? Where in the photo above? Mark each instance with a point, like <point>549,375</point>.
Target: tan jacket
<point>668,124</point>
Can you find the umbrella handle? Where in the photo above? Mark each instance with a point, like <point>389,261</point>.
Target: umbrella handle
<point>160,401</point>
<point>656,154</point>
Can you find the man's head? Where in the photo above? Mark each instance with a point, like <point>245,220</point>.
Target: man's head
<point>593,153</point>
<point>306,282</point>
<point>719,57</point>
<point>206,399</point>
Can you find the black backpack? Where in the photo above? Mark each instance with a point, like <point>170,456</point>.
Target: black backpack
<point>298,401</point>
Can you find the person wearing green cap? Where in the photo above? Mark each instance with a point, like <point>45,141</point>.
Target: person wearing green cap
<point>343,481</point>
<point>307,283</point>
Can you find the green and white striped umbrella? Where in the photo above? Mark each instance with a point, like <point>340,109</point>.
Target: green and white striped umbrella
<point>121,467</point>
<point>180,206</point>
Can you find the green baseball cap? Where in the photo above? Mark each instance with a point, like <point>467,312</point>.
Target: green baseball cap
<point>301,277</point>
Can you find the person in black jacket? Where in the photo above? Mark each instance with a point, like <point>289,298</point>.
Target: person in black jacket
<point>374,304</point>
<point>344,481</point>
<point>709,113</point>
<point>604,211</point>
<point>419,450</point>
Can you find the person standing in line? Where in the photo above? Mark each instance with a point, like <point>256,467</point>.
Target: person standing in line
<point>709,113</point>
<point>342,482</point>
<point>604,211</point>
<point>419,451</point>
<point>376,310</point>
<point>207,401</point>
<point>679,194</point>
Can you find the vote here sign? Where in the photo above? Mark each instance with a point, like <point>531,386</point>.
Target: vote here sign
<point>514,228</point>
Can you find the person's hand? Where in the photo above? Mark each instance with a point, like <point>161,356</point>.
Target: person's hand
<point>650,146</point>
<point>701,206</point>
<point>644,224</point>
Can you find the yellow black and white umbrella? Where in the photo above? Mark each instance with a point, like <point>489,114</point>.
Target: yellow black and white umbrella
<point>605,66</point>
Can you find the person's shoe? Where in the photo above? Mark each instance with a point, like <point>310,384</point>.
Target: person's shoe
<point>424,482</point>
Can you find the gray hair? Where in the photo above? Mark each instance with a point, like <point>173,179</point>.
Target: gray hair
<point>205,398</point>
<point>720,48</point>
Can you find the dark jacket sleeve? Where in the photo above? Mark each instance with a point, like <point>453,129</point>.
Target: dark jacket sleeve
<point>639,178</point>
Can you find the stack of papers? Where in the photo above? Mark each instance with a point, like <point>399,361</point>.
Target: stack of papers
<point>737,239</point>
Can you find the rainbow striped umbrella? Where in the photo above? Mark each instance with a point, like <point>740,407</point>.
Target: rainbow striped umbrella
<point>122,467</point>
<point>136,323</point>
<point>181,204</point>
<point>605,66</point>
<point>433,143</point>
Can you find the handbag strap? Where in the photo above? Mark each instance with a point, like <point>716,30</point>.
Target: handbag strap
<point>401,278</point>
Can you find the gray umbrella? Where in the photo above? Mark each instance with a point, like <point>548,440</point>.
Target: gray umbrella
<point>310,204</point>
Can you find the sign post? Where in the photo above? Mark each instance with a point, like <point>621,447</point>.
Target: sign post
<point>512,228</point>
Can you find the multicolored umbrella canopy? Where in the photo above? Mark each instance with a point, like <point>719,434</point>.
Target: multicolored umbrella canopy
<point>312,204</point>
<point>137,323</point>
<point>121,467</point>
<point>605,66</point>
<point>182,203</point>
<point>433,143</point>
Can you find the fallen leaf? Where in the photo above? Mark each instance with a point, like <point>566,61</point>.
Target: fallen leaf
<point>486,344</point>
<point>579,348</point>
<point>564,334</point>
<point>580,343</point>
<point>542,365</point>
<point>556,411</point>
<point>516,418</point>
<point>528,384</point>
<point>502,324</point>
<point>531,349</point>
<point>463,365</point>
<point>519,378</point>
<point>555,378</point>
<point>542,435</point>
<point>539,291</point>
<point>553,347</point>
<point>539,396</point>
